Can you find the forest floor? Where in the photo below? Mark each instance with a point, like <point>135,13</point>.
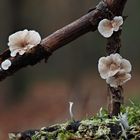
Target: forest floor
<point>125,126</point>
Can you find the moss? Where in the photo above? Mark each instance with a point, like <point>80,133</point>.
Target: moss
<point>133,114</point>
<point>66,136</point>
<point>98,127</point>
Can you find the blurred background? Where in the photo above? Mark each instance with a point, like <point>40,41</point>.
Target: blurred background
<point>39,96</point>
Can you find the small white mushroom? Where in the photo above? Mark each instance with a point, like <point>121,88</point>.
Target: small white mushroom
<point>6,64</point>
<point>107,27</point>
<point>70,110</point>
<point>22,41</point>
<point>115,69</point>
<point>112,64</point>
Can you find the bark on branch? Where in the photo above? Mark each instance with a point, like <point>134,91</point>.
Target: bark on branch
<point>115,95</point>
<point>87,23</point>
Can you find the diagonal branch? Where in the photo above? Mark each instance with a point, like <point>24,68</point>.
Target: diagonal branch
<point>67,34</point>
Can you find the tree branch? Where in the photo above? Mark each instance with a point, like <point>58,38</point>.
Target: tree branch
<point>116,6</point>
<point>115,97</point>
<point>87,23</point>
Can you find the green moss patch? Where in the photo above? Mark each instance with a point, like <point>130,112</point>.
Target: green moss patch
<point>125,126</point>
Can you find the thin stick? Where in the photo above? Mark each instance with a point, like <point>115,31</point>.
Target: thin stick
<point>115,95</point>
